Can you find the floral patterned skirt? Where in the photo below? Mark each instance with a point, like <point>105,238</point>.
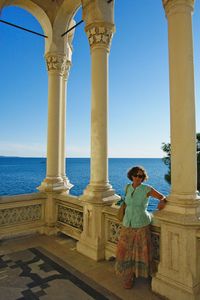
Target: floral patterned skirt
<point>133,257</point>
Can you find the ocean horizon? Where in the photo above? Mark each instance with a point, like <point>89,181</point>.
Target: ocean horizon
<point>22,175</point>
<point>16,156</point>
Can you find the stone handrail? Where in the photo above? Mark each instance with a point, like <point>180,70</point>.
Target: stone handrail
<point>21,214</point>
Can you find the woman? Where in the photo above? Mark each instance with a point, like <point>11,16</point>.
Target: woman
<point>133,258</point>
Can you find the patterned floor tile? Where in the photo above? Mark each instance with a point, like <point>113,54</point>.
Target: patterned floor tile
<point>31,274</point>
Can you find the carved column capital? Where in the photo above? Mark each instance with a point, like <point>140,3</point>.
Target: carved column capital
<point>178,6</point>
<point>100,35</point>
<point>56,63</point>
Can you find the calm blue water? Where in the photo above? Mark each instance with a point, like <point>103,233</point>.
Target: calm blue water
<point>23,175</point>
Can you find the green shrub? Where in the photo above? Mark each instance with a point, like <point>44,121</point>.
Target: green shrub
<point>166,147</point>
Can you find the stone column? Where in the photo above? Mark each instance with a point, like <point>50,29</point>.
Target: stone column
<point>182,102</point>
<point>99,35</point>
<point>99,192</point>
<point>56,64</point>
<point>67,184</point>
<point>178,275</point>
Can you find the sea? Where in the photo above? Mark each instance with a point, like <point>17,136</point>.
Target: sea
<point>22,175</point>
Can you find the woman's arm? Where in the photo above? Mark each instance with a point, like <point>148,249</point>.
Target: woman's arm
<point>154,193</point>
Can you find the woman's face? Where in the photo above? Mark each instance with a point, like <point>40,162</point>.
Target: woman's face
<point>138,177</point>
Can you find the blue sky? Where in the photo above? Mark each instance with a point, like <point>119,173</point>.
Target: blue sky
<point>138,84</point>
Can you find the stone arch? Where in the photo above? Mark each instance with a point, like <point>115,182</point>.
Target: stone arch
<point>63,21</point>
<point>37,12</point>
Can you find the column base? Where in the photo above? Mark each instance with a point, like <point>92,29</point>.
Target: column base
<point>92,241</point>
<point>99,193</point>
<point>172,289</point>
<point>50,230</point>
<point>53,184</point>
<point>91,249</point>
<point>178,275</point>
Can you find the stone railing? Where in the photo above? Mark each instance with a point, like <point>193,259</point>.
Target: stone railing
<point>25,214</point>
<point>69,215</point>
<point>112,228</point>
<point>21,214</point>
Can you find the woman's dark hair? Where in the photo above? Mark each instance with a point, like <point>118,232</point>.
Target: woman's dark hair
<point>133,171</point>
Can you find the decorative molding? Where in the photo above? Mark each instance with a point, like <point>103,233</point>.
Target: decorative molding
<point>100,35</point>
<point>52,184</point>
<point>56,63</point>
<point>155,241</point>
<point>178,6</point>
<point>70,216</point>
<point>113,231</point>
<point>18,215</point>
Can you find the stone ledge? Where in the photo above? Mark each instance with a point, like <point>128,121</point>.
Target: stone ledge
<point>22,197</point>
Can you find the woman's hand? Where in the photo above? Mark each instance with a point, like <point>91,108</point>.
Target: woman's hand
<point>161,204</point>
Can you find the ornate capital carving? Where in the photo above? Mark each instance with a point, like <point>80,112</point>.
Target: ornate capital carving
<point>178,6</point>
<point>56,63</point>
<point>100,35</point>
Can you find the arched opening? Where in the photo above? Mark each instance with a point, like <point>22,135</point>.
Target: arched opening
<point>139,90</point>
<point>140,87</point>
<point>196,34</point>
<point>78,111</point>
<point>24,101</point>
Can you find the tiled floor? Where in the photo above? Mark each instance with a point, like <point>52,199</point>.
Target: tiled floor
<point>62,250</point>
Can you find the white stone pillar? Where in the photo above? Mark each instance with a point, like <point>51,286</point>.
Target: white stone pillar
<point>99,35</point>
<point>56,64</point>
<point>182,102</point>
<point>67,183</point>
<point>178,275</point>
<point>99,192</point>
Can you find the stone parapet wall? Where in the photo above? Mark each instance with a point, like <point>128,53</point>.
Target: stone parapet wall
<point>25,214</point>
<point>69,219</point>
<point>21,214</point>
